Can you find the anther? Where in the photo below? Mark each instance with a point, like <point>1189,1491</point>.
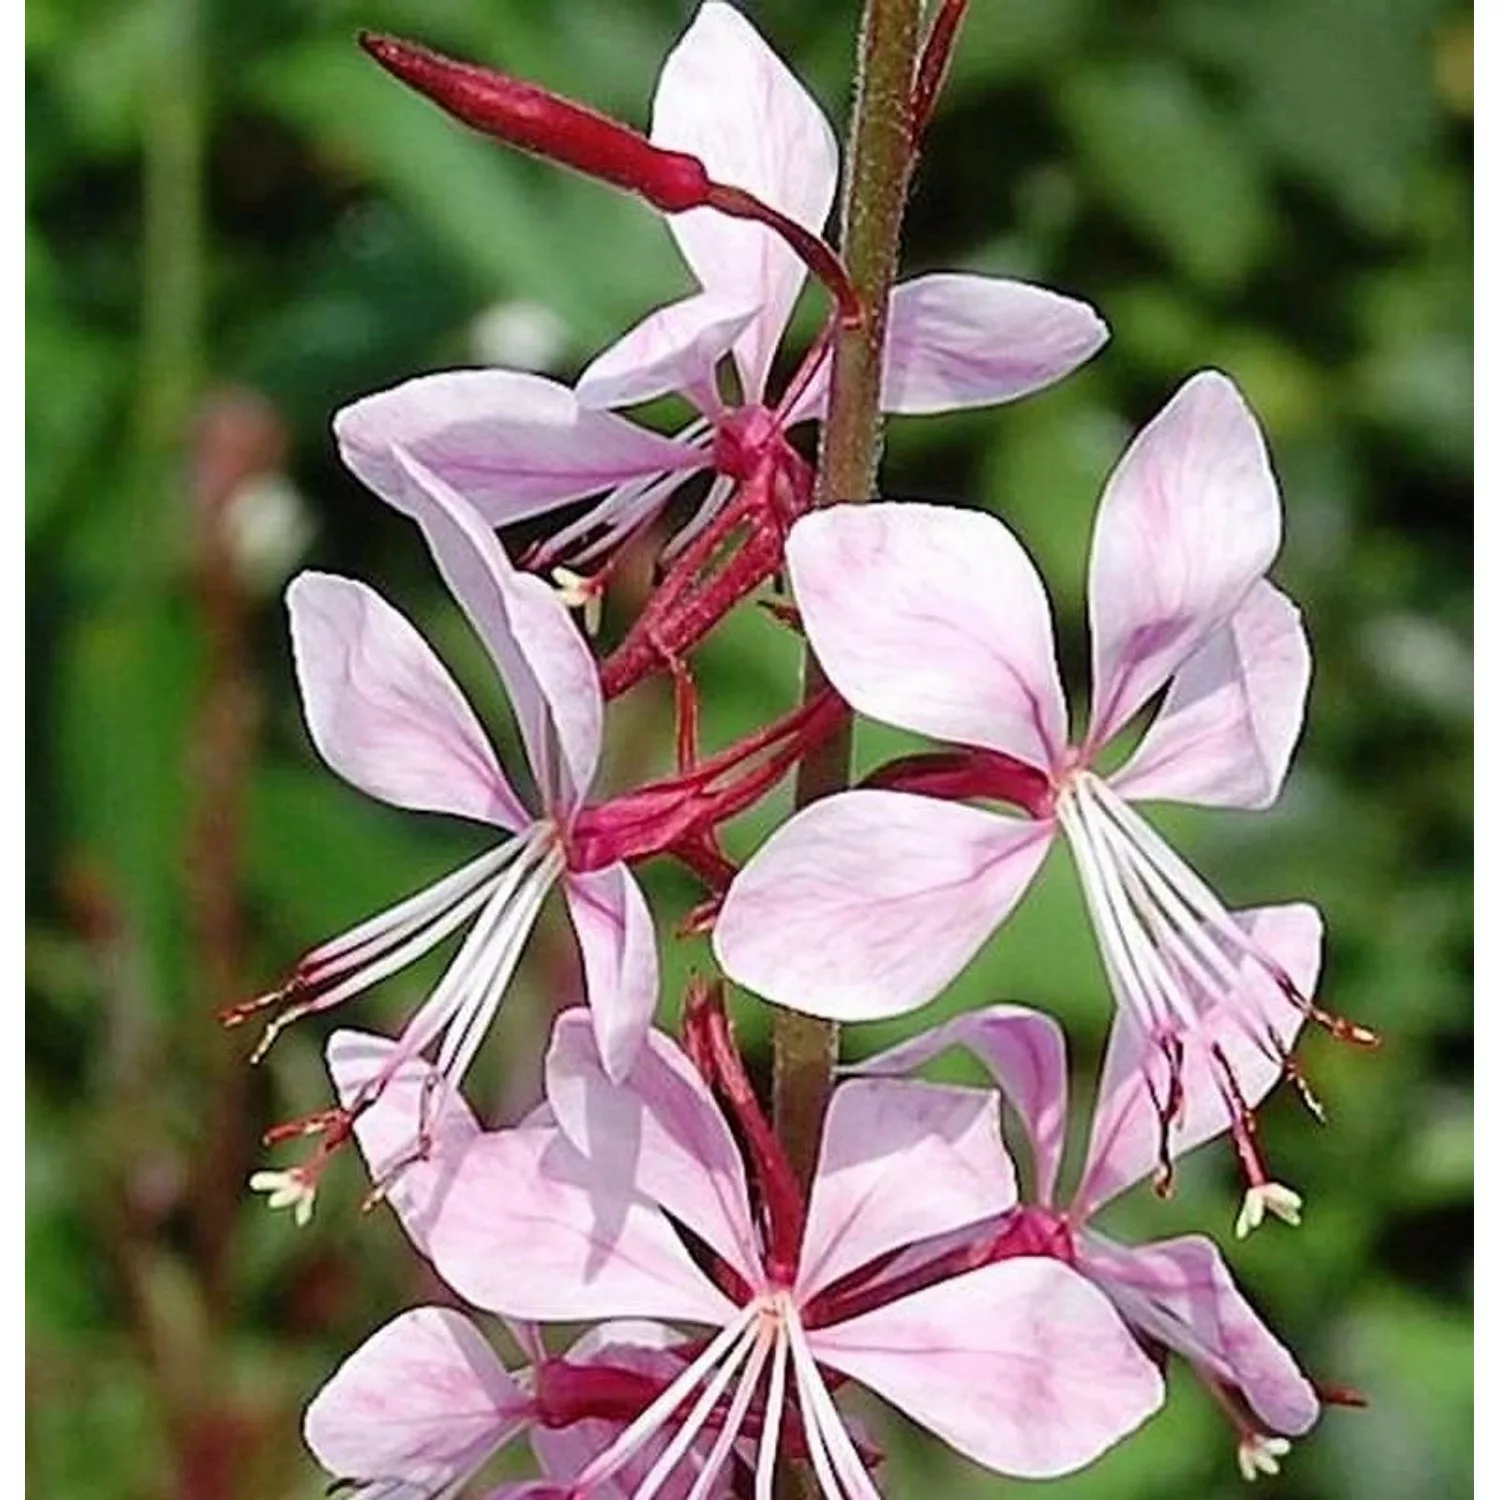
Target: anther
<point>581,593</point>
<point>324,1122</point>
<point>238,1014</point>
<point>1339,1027</point>
<point>1168,1112</point>
<point>1263,1197</point>
<point>1260,1454</point>
<point>1292,1071</point>
<point>294,1188</point>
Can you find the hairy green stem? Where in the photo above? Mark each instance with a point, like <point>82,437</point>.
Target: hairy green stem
<point>879,156</point>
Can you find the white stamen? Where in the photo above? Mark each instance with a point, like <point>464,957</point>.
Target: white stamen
<point>1208,935</point>
<point>734,1418</point>
<point>1155,976</point>
<point>644,1427</point>
<point>693,1423</point>
<point>770,1437</point>
<point>1260,1454</point>
<point>395,959</point>
<point>1183,939</point>
<point>821,1417</point>
<point>1171,949</point>
<point>472,1021</point>
<point>287,1189</point>
<point>1123,978</point>
<point>1184,879</point>
<point>625,507</point>
<point>395,922</point>
<point>1264,1196</point>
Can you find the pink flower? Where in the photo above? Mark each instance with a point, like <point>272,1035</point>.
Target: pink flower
<point>587,1211</point>
<point>866,904</point>
<point>1176,1294</point>
<point>519,445</point>
<point>425,1402</point>
<point>388,718</point>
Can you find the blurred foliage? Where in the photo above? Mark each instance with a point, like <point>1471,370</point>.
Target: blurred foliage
<point>235,224</point>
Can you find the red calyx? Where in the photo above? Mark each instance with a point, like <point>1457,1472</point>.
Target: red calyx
<point>712,1045</point>
<point>971,772</point>
<point>727,561</point>
<point>679,815</point>
<point>531,118</point>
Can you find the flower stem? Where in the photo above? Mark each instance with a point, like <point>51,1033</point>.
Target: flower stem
<point>880,152</point>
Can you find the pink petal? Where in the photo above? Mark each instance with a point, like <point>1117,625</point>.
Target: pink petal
<point>957,341</point>
<point>422,1402</point>
<point>879,1138</point>
<point>1189,522</point>
<point>514,444</point>
<point>546,666</point>
<point>1022,1366</point>
<point>866,904</point>
<point>932,619</point>
<point>1125,1141</point>
<point>618,940</point>
<point>662,1135</point>
<point>1225,733</point>
<point>416,1098</point>
<point>382,709</point>
<point>673,349</point>
<point>1180,1292</point>
<point>530,1230</point>
<point>1027,1055</point>
<point>724,96</point>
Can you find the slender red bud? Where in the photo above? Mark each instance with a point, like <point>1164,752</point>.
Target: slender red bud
<point>531,118</point>
<point>523,115</point>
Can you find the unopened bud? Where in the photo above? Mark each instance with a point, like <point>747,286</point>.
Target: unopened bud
<point>531,118</point>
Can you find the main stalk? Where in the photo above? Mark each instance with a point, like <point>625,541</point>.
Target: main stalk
<point>879,154</point>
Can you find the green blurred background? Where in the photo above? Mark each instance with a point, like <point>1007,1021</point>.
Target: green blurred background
<point>236,223</point>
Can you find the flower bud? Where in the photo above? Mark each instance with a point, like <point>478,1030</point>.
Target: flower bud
<point>534,120</point>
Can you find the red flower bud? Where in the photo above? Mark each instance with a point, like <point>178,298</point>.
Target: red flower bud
<point>534,120</point>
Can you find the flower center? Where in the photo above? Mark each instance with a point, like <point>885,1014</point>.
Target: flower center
<point>743,438</point>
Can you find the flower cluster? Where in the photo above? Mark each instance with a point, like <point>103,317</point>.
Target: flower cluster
<point>732,1297</point>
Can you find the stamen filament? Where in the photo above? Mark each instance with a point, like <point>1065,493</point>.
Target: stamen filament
<point>395,922</point>
<point>1183,937</point>
<point>629,1442</point>
<point>462,1041</point>
<point>1148,960</point>
<point>1112,944</point>
<point>702,1409</point>
<point>713,502</point>
<point>821,1417</point>
<point>734,1419</point>
<point>770,1438</point>
<point>626,507</point>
